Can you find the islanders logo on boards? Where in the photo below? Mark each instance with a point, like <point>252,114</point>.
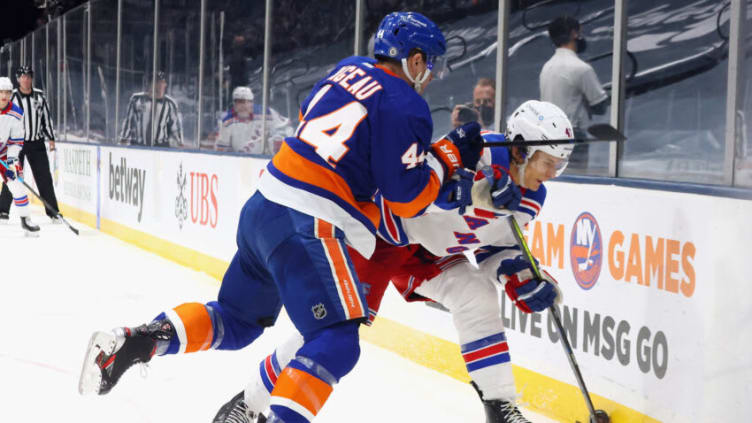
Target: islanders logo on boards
<point>586,250</point>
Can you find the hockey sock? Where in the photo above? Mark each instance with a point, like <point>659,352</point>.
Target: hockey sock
<point>305,384</point>
<point>199,327</point>
<point>258,390</point>
<point>20,199</point>
<point>488,363</point>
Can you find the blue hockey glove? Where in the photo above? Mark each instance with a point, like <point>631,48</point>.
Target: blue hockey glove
<point>526,292</point>
<point>456,192</point>
<point>505,194</point>
<point>468,141</point>
<point>12,171</point>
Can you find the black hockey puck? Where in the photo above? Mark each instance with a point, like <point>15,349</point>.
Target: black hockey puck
<point>600,417</point>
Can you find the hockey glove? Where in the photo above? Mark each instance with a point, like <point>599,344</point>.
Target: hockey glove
<point>527,293</point>
<point>456,192</point>
<point>13,170</point>
<point>505,194</point>
<point>469,143</point>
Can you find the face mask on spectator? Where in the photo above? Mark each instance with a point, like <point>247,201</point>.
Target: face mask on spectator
<point>486,114</point>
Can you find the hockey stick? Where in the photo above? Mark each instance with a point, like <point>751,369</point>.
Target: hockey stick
<point>46,204</point>
<point>596,416</point>
<point>602,132</point>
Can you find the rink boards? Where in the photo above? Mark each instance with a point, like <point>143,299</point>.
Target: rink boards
<point>656,298</point>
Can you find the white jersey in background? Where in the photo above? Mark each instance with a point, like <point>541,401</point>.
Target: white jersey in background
<point>245,135</point>
<point>11,131</point>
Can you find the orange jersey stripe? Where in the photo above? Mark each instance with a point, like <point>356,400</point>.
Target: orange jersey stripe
<point>345,283</point>
<point>198,326</point>
<point>347,287</point>
<point>426,197</point>
<point>302,388</point>
<point>298,167</point>
<point>324,229</point>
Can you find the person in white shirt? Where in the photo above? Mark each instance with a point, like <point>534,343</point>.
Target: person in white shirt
<point>571,83</point>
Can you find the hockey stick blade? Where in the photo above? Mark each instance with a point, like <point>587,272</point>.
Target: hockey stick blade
<point>46,204</point>
<point>602,132</point>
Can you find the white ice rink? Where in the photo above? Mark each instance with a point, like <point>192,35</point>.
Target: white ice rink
<point>58,288</point>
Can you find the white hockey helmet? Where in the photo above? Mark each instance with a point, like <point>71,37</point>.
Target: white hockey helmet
<point>541,120</point>
<point>5,84</point>
<point>242,93</point>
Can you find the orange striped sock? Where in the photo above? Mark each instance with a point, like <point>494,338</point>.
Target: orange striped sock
<point>300,392</point>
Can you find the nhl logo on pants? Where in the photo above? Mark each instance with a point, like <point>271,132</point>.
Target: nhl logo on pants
<point>319,311</point>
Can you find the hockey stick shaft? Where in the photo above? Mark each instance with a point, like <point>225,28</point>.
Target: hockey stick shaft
<point>556,317</point>
<point>46,204</point>
<point>542,142</point>
<point>602,132</point>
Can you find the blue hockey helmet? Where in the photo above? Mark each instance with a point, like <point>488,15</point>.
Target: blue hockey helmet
<point>401,32</point>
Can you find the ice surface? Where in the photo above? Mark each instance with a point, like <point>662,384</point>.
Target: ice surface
<point>59,288</point>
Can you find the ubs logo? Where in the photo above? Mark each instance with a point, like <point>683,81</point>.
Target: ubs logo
<point>586,250</point>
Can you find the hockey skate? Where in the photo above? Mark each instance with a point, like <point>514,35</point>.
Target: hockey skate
<point>500,411</point>
<point>4,217</point>
<point>29,228</point>
<point>110,354</point>
<point>237,411</point>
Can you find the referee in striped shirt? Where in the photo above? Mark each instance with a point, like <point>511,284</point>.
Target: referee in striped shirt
<point>37,128</point>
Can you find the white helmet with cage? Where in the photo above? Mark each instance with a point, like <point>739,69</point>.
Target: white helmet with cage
<point>242,93</point>
<point>5,84</point>
<point>541,120</point>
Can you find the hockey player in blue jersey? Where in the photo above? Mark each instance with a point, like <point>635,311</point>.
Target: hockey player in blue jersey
<point>510,181</point>
<point>11,141</point>
<point>364,128</point>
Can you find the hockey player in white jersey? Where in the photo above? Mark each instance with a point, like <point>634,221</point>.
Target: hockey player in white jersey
<point>514,178</point>
<point>241,128</point>
<point>11,141</point>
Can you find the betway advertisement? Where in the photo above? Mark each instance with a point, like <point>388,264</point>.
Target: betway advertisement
<point>128,185</point>
<point>654,294</point>
<point>190,199</point>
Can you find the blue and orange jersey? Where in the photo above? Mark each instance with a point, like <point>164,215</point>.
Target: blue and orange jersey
<point>362,129</point>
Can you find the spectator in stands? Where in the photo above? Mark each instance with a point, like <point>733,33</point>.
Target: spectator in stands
<point>482,107</point>
<point>168,128</point>
<point>241,128</point>
<point>571,83</point>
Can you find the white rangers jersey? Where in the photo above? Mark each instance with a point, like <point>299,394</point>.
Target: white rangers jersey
<point>11,130</point>
<point>446,232</point>
<point>244,135</point>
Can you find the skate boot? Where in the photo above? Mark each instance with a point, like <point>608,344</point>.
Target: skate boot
<point>110,354</point>
<point>29,228</point>
<point>4,217</point>
<point>500,411</point>
<point>56,219</point>
<point>237,411</point>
